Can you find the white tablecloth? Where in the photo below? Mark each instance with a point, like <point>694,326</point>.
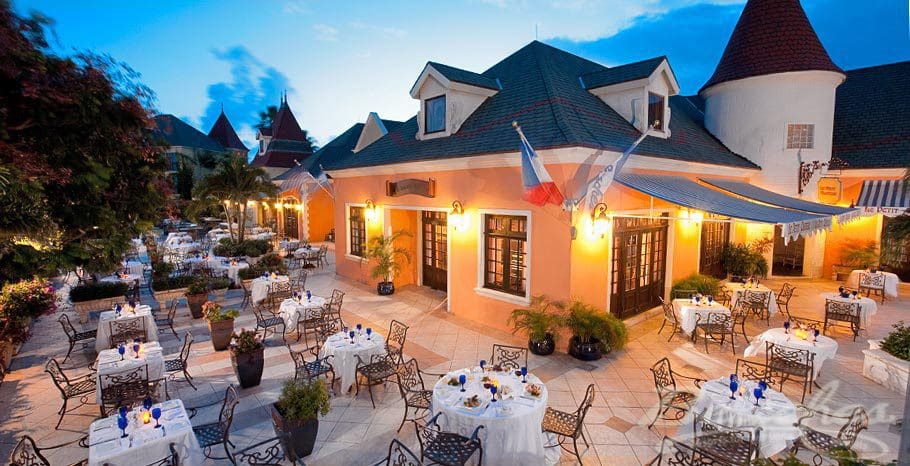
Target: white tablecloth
<point>511,433</point>
<point>183,248</point>
<point>342,351</point>
<point>109,363</point>
<point>824,349</point>
<point>688,313</point>
<point>891,281</point>
<point>289,244</point>
<point>128,278</point>
<point>291,311</point>
<point>228,270</point>
<point>145,443</point>
<point>776,414</point>
<point>737,289</point>
<point>261,286</point>
<point>103,340</point>
<point>133,267</point>
<point>867,306</point>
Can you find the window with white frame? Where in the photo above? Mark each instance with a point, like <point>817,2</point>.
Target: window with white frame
<point>435,114</point>
<point>505,243</point>
<point>800,136</point>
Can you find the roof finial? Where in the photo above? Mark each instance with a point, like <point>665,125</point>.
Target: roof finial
<point>222,106</point>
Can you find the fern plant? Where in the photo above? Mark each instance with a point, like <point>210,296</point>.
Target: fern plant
<point>386,255</point>
<point>537,320</point>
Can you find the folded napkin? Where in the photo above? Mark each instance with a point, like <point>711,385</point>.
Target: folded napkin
<point>107,448</point>
<point>103,435</point>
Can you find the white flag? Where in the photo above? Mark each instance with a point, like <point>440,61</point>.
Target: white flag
<point>598,186</point>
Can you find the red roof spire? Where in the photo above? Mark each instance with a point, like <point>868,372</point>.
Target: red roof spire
<point>285,125</point>
<point>772,36</point>
<point>223,132</point>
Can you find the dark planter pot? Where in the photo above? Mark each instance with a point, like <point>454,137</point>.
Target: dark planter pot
<point>195,302</point>
<point>221,333</point>
<point>542,347</point>
<point>248,367</point>
<point>385,288</point>
<point>302,434</point>
<point>584,351</point>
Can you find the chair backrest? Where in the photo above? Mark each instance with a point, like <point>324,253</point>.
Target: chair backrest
<point>676,453</point>
<point>716,320</point>
<point>226,415</point>
<point>127,326</point>
<point>669,313</point>
<point>872,280</point>
<point>730,445</point>
<point>259,311</point>
<point>127,388</point>
<point>187,344</point>
<point>509,357</point>
<point>755,371</point>
<point>338,296</point>
<point>59,377</point>
<point>398,333</point>
<point>841,310</point>
<point>857,422</point>
<point>585,405</point>
<point>409,377</point>
<point>400,455</point>
<point>786,292</point>
<point>26,453</point>
<point>756,298</point>
<point>793,361</point>
<point>429,432</point>
<point>67,326</point>
<point>327,327</point>
<point>172,311</point>
<point>267,452</point>
<point>663,376</point>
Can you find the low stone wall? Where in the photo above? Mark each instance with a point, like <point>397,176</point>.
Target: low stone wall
<point>884,368</point>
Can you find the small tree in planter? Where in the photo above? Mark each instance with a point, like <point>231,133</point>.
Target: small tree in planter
<point>221,324</point>
<point>196,295</point>
<point>382,250</point>
<point>247,357</point>
<point>297,413</point>
<point>594,332</point>
<point>539,322</point>
<point>855,254</point>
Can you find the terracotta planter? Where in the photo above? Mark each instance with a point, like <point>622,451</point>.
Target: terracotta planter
<point>221,333</point>
<point>167,295</point>
<point>842,272</point>
<point>584,351</point>
<point>302,434</point>
<point>248,367</point>
<point>195,302</point>
<point>385,288</point>
<point>7,351</point>
<point>543,347</point>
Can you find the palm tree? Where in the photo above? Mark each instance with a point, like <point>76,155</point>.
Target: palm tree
<point>383,251</point>
<point>897,233</point>
<point>232,185</point>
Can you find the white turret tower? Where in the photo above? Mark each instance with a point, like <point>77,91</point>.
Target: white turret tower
<point>771,98</point>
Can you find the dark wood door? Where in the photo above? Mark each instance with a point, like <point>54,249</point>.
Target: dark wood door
<point>435,252</point>
<point>639,264</point>
<point>715,236</point>
<point>290,223</point>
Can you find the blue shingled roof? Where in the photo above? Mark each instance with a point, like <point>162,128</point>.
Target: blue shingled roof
<point>541,90</point>
<point>464,76</point>
<point>621,74</point>
<point>176,132</point>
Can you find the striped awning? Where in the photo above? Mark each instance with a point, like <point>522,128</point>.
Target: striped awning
<point>755,193</point>
<point>887,197</point>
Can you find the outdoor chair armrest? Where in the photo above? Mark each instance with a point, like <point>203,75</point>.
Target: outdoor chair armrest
<point>476,431</point>
<point>697,381</point>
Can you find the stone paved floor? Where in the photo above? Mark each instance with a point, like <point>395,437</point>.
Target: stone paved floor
<point>353,433</point>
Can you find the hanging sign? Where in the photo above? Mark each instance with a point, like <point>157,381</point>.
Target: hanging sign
<point>829,190</point>
<point>425,188</point>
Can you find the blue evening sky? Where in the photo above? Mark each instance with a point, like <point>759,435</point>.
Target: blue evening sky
<point>340,60</point>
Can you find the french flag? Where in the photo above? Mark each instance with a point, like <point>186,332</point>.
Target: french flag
<point>539,187</point>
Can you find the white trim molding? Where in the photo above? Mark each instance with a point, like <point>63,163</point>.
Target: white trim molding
<point>481,257</point>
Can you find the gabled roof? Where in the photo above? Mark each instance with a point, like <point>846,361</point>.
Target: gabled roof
<point>285,125</point>
<point>342,145</point>
<point>176,132</point>
<point>872,118</point>
<point>541,90</point>
<point>622,73</point>
<point>771,36</point>
<point>464,76</point>
<point>223,132</point>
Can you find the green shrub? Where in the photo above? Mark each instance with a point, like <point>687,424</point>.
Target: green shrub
<point>161,268</point>
<point>213,312</point>
<point>219,283</point>
<point>251,248</point>
<point>102,290</point>
<point>897,343</point>
<point>301,400</point>
<point>272,263</point>
<point>537,320</point>
<point>27,298</point>
<point>256,247</point>
<point>249,273</point>
<point>245,342</point>
<point>703,284</point>
<point>171,283</point>
<point>746,259</point>
<point>587,322</point>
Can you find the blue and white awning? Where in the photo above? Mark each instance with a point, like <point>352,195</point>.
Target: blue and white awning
<point>747,190</point>
<point>887,197</point>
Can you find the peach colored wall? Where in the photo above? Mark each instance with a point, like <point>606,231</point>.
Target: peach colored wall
<point>406,220</point>
<point>320,215</point>
<point>862,229</point>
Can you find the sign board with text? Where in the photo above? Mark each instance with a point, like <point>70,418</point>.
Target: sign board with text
<point>425,188</point>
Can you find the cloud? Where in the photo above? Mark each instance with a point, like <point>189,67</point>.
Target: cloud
<point>295,7</point>
<point>253,86</point>
<point>387,30</point>
<point>325,33</point>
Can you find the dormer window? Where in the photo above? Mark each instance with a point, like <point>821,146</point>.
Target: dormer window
<point>656,111</point>
<point>435,114</point>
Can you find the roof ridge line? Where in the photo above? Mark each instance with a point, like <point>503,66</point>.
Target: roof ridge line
<point>554,110</point>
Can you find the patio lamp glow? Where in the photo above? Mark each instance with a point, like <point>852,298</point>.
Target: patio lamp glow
<point>457,218</point>
<point>600,220</point>
<point>370,211</point>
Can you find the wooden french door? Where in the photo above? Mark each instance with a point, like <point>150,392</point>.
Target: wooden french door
<point>715,236</point>
<point>290,223</point>
<point>435,252</point>
<point>639,264</point>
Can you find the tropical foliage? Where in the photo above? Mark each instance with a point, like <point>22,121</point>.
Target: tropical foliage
<point>27,298</point>
<point>897,343</point>
<point>540,318</point>
<point>303,399</point>
<point>232,185</point>
<point>214,312</point>
<point>386,255</point>
<point>858,253</point>
<point>702,284</point>
<point>589,323</point>
<point>227,247</point>
<point>747,259</point>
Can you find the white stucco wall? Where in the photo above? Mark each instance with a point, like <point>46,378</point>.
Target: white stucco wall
<point>750,116</point>
<point>461,101</point>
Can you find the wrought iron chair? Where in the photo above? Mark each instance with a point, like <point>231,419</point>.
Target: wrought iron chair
<point>278,292</point>
<point>180,363</point>
<point>128,388</point>
<point>332,307</point>
<point>247,293</point>
<point>219,432</point>
<point>379,370</point>
<point>447,448</point>
<point>133,291</point>
<point>322,259</point>
<point>509,358</point>
<point>311,369</point>
<point>783,298</point>
<point>729,445</point>
<point>758,303</point>
<point>789,364</point>
<point>822,443</point>
<point>269,452</point>
<point>569,425</point>
<point>168,321</point>
<point>399,455</point>
<point>394,345</point>
<point>840,311</point>
<point>724,297</point>
<point>669,318</point>
<point>325,328</point>
<point>267,321</point>
<point>676,453</point>
<point>308,321</point>
<point>75,387</point>
<point>298,279</point>
<point>126,330</point>
<point>872,283</point>
<point>754,371</point>
<point>668,393</point>
<point>715,326</point>
<point>74,336</point>
<point>28,453</point>
<point>413,391</point>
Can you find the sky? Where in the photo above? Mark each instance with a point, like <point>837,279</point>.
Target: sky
<point>340,60</point>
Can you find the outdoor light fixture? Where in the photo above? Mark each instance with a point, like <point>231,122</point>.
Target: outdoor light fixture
<point>370,210</point>
<point>600,219</point>
<point>457,218</point>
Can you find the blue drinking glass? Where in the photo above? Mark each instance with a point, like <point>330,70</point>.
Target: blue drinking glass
<point>462,379</point>
<point>147,403</point>
<point>352,336</point>
<point>758,394</point>
<point>123,410</point>
<point>308,295</point>
<point>136,349</point>
<point>122,423</point>
<point>762,385</point>
<point>786,326</point>
<point>369,332</point>
<point>734,378</point>
<point>817,333</point>
<point>493,391</point>
<point>122,350</point>
<point>359,328</point>
<point>483,362</point>
<point>524,375</point>
<point>156,413</point>
<point>734,385</point>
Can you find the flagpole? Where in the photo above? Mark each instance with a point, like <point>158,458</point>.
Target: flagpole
<point>521,134</point>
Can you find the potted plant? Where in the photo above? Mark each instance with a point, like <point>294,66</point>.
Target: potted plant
<point>746,260</point>
<point>221,324</point>
<point>296,413</point>
<point>539,323</point>
<point>96,296</point>
<point>219,286</point>
<point>196,295</point>
<point>855,254</point>
<point>383,251</point>
<point>247,357</point>
<point>594,332</point>
<point>887,361</point>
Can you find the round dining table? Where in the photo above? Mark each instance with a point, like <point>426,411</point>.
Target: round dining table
<point>511,433</point>
<point>261,285</point>
<point>867,306</point>
<point>891,281</point>
<point>292,310</point>
<point>688,312</point>
<point>344,354</point>
<point>737,290</point>
<point>775,414</point>
<point>824,348</point>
